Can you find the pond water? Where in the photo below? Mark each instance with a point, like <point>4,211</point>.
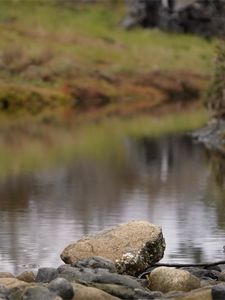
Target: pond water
<point>170,181</point>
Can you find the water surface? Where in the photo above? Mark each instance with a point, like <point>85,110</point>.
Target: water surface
<point>170,181</point>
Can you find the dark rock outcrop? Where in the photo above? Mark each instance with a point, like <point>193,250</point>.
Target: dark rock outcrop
<point>202,17</point>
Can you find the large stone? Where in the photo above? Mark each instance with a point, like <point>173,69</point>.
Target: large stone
<point>132,247</point>
<point>166,279</point>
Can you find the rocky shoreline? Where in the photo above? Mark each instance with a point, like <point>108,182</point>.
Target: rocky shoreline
<point>98,277</point>
<point>212,135</point>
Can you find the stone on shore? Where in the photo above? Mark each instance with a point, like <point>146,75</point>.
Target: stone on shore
<point>10,283</point>
<point>90,293</point>
<point>6,275</point>
<point>46,274</point>
<point>218,292</point>
<point>199,294</point>
<point>125,292</point>
<point>166,279</point>
<point>97,276</point>
<point>205,274</point>
<point>27,276</point>
<point>96,262</point>
<point>132,247</point>
<point>39,293</point>
<point>62,288</point>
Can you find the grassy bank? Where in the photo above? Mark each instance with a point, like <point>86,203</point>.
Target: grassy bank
<point>77,59</point>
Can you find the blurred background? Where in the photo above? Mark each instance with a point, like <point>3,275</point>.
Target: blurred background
<point>97,100</point>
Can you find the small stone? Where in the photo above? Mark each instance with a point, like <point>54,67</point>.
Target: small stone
<point>4,293</point>
<point>124,292</point>
<point>90,293</point>
<point>218,292</point>
<point>27,276</point>
<point>205,273</point>
<point>165,279</point>
<point>39,293</point>
<point>214,268</point>
<point>6,275</point>
<point>46,274</point>
<point>199,294</point>
<point>96,262</point>
<point>10,283</point>
<point>62,288</point>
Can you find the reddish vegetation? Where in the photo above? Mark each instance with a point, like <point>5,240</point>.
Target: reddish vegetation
<point>153,93</point>
<point>103,96</point>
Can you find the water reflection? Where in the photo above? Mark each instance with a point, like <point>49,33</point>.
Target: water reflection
<point>168,181</point>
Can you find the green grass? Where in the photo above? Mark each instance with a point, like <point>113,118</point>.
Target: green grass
<point>93,37</point>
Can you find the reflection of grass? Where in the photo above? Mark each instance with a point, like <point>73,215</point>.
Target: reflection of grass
<point>101,141</point>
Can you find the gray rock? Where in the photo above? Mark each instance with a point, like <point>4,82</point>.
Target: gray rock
<point>39,293</point>
<point>12,288</point>
<point>46,274</point>
<point>167,279</point>
<point>204,273</point>
<point>124,292</point>
<point>132,247</point>
<point>98,276</point>
<point>212,135</point>
<point>214,268</point>
<point>218,292</point>
<point>145,13</point>
<point>76,274</point>
<point>96,262</point>
<point>202,17</point>
<point>117,279</point>
<point>208,282</point>
<point>62,288</point>
<point>4,293</point>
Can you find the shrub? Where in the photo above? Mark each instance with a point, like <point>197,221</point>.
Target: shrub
<point>215,101</point>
